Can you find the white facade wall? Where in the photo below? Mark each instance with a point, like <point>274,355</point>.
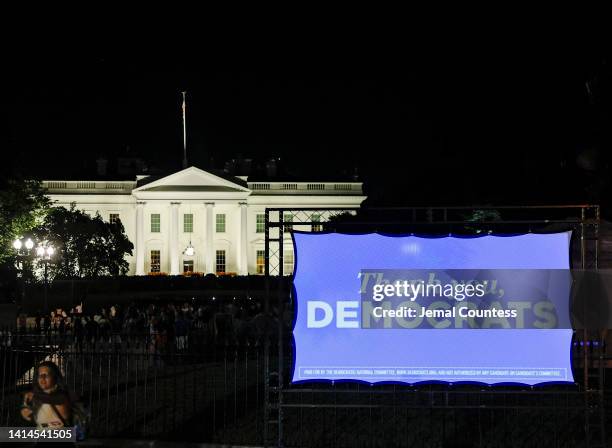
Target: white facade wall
<point>190,190</point>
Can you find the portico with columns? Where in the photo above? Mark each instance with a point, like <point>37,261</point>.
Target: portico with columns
<point>216,215</point>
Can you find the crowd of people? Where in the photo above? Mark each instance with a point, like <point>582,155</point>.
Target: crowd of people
<point>163,325</point>
<point>154,327</point>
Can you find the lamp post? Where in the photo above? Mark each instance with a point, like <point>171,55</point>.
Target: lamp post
<point>22,250</point>
<point>44,252</point>
<point>189,252</point>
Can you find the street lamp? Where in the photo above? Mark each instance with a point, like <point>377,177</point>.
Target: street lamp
<point>22,249</point>
<point>18,244</point>
<point>44,252</point>
<point>189,250</point>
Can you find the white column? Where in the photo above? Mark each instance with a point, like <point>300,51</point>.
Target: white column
<point>243,267</point>
<point>174,238</point>
<point>209,250</point>
<point>140,246</point>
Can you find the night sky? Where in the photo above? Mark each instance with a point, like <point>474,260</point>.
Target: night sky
<point>461,126</point>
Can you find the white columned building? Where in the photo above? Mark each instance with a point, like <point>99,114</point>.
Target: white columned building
<point>220,216</point>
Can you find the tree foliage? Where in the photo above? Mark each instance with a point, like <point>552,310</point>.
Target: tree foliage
<point>23,205</point>
<point>86,246</point>
<point>480,218</point>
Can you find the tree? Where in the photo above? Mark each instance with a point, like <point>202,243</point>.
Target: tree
<point>23,205</point>
<point>86,247</point>
<point>480,218</point>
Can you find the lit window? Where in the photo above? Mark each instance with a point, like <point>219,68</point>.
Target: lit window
<point>187,266</point>
<point>220,258</point>
<point>155,223</point>
<point>288,261</point>
<point>261,261</point>
<point>114,218</point>
<point>220,223</point>
<point>260,223</point>
<point>188,223</point>
<point>316,227</point>
<point>155,260</point>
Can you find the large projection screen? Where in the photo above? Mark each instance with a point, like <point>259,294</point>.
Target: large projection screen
<point>331,344</point>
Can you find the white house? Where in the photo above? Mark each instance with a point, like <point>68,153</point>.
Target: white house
<point>221,217</point>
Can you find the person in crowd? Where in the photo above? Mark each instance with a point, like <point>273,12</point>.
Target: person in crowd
<point>116,325</point>
<point>38,322</point>
<point>91,330</point>
<point>79,333</point>
<point>181,330</point>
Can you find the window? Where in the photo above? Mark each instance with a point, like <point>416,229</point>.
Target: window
<point>188,223</point>
<point>260,224</point>
<point>316,227</point>
<point>155,260</point>
<point>288,219</point>
<point>315,187</point>
<point>220,223</point>
<point>342,187</point>
<point>261,261</point>
<point>113,218</point>
<point>288,261</point>
<point>187,266</point>
<point>220,258</point>
<point>155,223</point>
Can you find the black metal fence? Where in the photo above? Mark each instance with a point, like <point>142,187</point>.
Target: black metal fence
<point>206,392</point>
<point>348,414</point>
<point>215,392</point>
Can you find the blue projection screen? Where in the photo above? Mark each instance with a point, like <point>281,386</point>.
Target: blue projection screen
<point>345,283</point>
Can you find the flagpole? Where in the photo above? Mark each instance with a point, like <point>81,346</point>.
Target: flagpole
<point>184,132</point>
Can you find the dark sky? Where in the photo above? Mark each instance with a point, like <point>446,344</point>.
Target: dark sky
<point>458,126</point>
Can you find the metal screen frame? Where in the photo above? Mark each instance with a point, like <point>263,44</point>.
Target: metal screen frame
<point>587,394</point>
